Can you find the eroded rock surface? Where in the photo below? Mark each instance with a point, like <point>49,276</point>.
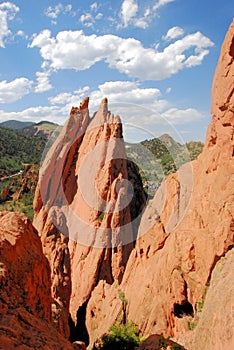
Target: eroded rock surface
<point>216,325</point>
<point>88,206</point>
<point>25,299</point>
<point>189,230</point>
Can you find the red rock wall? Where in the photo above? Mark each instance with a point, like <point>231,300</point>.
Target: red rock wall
<point>25,300</point>
<point>171,264</point>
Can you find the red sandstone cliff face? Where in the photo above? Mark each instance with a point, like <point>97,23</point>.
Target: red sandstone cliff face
<point>25,300</point>
<point>189,230</point>
<point>216,324</point>
<point>89,191</point>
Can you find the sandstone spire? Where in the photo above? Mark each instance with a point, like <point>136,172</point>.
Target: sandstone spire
<point>87,232</point>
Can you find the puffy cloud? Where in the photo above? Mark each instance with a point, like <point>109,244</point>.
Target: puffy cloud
<point>177,116</point>
<point>41,39</point>
<point>127,92</point>
<point>75,50</point>
<point>54,11</point>
<point>173,33</point>
<point>14,90</point>
<point>69,99</point>
<point>43,83</point>
<point>128,11</point>
<point>8,11</point>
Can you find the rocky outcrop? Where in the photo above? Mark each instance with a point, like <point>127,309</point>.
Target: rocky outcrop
<point>184,231</point>
<point>87,214</point>
<point>28,284</point>
<point>216,325</point>
<point>25,300</point>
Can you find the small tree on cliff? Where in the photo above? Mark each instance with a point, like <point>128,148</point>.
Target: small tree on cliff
<point>122,335</point>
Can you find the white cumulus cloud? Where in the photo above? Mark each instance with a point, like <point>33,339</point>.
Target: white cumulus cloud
<point>178,116</point>
<point>128,11</point>
<point>75,50</point>
<point>8,11</point>
<point>14,90</point>
<point>174,33</point>
<point>43,82</point>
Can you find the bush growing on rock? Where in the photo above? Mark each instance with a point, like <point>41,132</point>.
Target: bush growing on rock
<point>120,337</point>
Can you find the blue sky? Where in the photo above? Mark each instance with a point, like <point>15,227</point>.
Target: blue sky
<point>154,60</point>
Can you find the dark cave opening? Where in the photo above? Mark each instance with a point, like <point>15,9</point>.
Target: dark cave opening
<point>185,309</point>
<point>79,331</point>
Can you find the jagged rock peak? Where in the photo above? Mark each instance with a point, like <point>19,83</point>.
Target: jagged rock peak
<point>104,101</point>
<point>83,105</point>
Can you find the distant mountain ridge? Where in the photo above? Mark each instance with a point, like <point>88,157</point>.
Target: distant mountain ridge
<point>160,157</point>
<point>43,128</point>
<point>15,124</point>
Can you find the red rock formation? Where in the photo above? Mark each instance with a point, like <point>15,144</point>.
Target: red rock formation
<point>57,188</point>
<point>28,284</point>
<point>171,264</point>
<point>25,300</point>
<point>96,196</point>
<point>216,325</point>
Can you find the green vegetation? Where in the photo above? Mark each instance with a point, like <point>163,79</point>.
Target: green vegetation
<point>165,343</point>
<point>120,337</point>
<point>23,205</point>
<point>177,347</point>
<point>17,149</point>
<point>199,305</point>
<point>17,193</point>
<point>15,124</point>
<point>159,157</point>
<point>194,148</point>
<point>192,325</point>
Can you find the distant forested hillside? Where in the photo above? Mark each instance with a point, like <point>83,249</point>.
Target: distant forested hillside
<point>159,157</point>
<point>15,124</point>
<point>17,149</point>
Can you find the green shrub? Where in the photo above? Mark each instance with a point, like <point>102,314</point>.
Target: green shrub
<point>177,347</point>
<point>120,337</point>
<point>199,305</point>
<point>192,326</point>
